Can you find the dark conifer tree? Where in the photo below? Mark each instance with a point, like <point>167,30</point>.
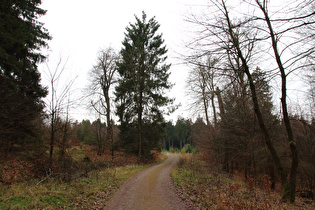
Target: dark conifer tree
<point>21,37</point>
<point>140,93</point>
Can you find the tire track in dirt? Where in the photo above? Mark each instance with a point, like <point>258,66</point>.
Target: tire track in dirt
<point>151,188</point>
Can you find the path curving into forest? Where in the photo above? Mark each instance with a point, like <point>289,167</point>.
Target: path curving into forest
<point>151,189</point>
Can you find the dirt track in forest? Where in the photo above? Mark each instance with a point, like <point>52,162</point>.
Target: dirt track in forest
<point>151,188</point>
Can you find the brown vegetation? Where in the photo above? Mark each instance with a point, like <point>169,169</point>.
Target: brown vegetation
<point>208,187</point>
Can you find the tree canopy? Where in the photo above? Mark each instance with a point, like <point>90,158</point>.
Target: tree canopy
<point>21,38</point>
<point>140,93</point>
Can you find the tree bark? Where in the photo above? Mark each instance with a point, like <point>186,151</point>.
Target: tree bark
<point>220,101</point>
<point>52,140</point>
<point>205,104</point>
<point>140,109</point>
<point>109,133</point>
<point>64,137</point>
<point>214,111</point>
<point>270,146</point>
<point>288,190</point>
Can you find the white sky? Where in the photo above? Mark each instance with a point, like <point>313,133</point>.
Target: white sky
<point>81,28</point>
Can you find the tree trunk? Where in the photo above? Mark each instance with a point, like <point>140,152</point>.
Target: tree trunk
<point>65,134</point>
<point>214,111</point>
<point>226,150</point>
<point>64,138</point>
<point>272,176</point>
<point>52,139</point>
<point>220,101</point>
<point>288,190</point>
<point>270,146</point>
<point>109,133</point>
<point>205,105</point>
<point>140,126</point>
<point>274,154</point>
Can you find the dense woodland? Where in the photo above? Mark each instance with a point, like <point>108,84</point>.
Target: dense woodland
<point>242,66</point>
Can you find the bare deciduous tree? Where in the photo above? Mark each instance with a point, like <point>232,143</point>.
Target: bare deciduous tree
<point>296,60</point>
<point>202,87</point>
<point>234,42</point>
<point>56,104</point>
<point>103,77</point>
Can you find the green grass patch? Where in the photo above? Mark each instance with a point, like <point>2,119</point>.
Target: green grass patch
<point>16,202</point>
<point>55,200</point>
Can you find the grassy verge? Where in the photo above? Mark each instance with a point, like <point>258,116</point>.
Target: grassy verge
<point>90,192</point>
<point>207,188</point>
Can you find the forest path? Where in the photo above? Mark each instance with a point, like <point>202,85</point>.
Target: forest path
<point>151,189</point>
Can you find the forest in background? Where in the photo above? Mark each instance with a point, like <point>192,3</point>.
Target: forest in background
<point>236,62</point>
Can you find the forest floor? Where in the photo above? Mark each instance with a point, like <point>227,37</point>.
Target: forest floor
<point>198,185</point>
<point>208,188</point>
<point>90,186</point>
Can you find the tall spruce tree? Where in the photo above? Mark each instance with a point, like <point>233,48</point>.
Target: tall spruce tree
<point>140,93</point>
<point>21,37</point>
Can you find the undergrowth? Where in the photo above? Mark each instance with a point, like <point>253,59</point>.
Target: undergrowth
<point>208,188</point>
<point>90,192</point>
<point>86,181</point>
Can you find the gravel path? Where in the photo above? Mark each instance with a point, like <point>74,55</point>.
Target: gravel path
<point>151,189</point>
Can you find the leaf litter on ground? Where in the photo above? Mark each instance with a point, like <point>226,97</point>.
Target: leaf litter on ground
<point>208,188</point>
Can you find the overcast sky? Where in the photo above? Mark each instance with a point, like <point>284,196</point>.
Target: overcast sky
<point>81,28</point>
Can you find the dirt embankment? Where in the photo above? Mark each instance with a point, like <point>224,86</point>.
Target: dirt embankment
<point>149,189</point>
